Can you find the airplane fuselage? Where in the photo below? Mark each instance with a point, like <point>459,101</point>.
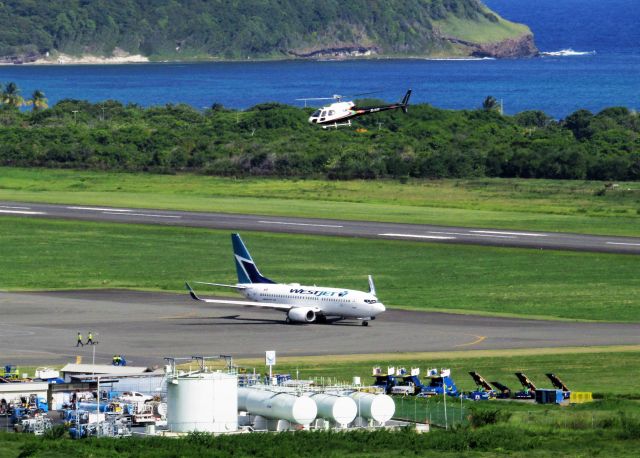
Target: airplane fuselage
<point>329,302</point>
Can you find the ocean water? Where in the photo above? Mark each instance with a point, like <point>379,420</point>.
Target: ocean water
<point>606,26</point>
<point>557,85</point>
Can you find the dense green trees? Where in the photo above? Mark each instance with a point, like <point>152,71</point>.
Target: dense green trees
<point>220,28</point>
<point>271,139</point>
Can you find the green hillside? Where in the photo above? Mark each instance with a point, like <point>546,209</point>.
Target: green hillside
<point>226,29</point>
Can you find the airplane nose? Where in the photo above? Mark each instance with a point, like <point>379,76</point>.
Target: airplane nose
<point>380,307</point>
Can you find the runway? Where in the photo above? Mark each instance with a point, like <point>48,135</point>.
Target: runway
<point>40,329</point>
<point>334,227</point>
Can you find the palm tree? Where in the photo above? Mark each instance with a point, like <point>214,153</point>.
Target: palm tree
<point>11,95</point>
<point>38,100</point>
<point>490,104</point>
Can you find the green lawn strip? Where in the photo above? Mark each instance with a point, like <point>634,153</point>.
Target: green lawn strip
<point>57,254</point>
<point>569,206</point>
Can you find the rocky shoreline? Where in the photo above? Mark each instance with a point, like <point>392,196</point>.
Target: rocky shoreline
<point>520,47</point>
<point>523,46</point>
<point>66,59</point>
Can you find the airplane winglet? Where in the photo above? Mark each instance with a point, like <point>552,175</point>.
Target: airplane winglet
<point>192,293</point>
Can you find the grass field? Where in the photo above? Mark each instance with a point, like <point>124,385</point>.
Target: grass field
<point>569,206</point>
<point>50,254</point>
<point>481,30</point>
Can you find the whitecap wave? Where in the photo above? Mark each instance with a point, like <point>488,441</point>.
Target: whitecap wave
<point>568,52</point>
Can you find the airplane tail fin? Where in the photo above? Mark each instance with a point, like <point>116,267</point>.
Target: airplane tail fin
<point>245,267</point>
<point>372,287</point>
<point>405,101</point>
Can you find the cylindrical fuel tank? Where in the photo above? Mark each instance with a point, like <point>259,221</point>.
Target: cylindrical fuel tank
<point>377,407</point>
<point>338,409</point>
<point>301,410</point>
<point>202,402</point>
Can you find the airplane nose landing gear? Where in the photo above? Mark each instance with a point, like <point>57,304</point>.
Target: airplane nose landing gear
<point>365,323</point>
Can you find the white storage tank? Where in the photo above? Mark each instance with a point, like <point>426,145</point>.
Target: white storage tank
<point>377,407</point>
<point>203,402</point>
<point>340,410</point>
<point>301,410</point>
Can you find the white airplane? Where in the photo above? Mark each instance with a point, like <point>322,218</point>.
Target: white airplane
<point>302,304</point>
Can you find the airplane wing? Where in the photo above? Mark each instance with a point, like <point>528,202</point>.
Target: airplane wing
<point>275,306</point>
<point>221,284</point>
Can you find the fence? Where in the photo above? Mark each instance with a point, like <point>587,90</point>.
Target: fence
<point>432,411</point>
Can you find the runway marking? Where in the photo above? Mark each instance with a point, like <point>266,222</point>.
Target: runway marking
<point>623,243</point>
<point>298,224</point>
<point>100,209</point>
<point>22,212</point>
<point>474,235</point>
<point>15,208</point>
<point>28,353</point>
<point>434,237</point>
<point>141,214</point>
<point>475,342</point>
<point>524,234</point>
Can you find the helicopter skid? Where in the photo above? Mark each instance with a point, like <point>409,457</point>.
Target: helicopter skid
<point>336,125</point>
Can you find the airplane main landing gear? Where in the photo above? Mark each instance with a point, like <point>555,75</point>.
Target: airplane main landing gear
<point>365,323</point>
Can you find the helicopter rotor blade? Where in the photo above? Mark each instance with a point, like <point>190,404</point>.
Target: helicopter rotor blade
<point>317,98</point>
<point>365,93</point>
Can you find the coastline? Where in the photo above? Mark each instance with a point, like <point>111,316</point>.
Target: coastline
<point>139,59</point>
<point>64,59</point>
<point>518,48</point>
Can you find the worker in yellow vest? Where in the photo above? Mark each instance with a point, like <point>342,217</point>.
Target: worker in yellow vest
<point>79,342</point>
<point>90,338</point>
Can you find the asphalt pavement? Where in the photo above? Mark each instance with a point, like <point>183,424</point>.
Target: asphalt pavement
<point>40,328</point>
<point>331,227</point>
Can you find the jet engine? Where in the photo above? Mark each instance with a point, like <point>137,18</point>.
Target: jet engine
<point>301,315</point>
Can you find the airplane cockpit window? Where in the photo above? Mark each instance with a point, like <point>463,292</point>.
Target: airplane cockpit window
<point>370,301</point>
<point>316,114</point>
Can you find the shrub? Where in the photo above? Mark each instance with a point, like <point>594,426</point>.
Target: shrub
<point>483,417</point>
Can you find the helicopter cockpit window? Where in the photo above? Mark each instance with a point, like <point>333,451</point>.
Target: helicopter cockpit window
<point>324,113</point>
<point>316,114</point>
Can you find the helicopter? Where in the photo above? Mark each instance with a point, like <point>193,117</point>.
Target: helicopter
<point>340,113</point>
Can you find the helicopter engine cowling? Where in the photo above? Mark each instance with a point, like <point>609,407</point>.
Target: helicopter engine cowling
<point>302,315</point>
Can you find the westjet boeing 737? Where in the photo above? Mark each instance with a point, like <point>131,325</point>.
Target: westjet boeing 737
<point>302,304</point>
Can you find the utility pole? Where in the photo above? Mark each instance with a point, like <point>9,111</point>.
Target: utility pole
<point>444,394</point>
<point>75,119</point>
